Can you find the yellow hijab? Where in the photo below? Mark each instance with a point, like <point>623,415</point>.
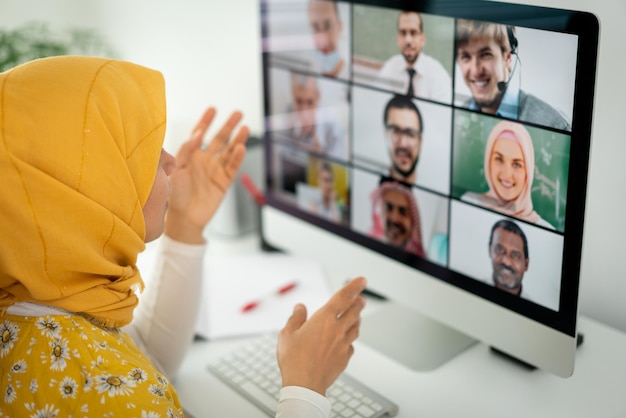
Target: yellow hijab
<point>80,140</point>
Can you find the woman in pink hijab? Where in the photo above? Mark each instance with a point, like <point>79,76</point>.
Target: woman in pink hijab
<point>509,171</point>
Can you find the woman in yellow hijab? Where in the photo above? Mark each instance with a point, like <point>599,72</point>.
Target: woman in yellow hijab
<point>85,184</point>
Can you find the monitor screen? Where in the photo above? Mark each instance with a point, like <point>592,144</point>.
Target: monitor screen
<point>446,145</point>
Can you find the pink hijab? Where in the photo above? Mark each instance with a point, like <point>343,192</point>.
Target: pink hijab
<point>522,206</point>
<point>414,243</point>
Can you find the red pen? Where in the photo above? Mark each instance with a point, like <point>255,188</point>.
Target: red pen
<point>281,291</point>
<point>252,189</point>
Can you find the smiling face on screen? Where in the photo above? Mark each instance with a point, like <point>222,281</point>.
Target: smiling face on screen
<point>397,217</point>
<point>483,65</point>
<point>404,141</point>
<point>507,169</point>
<point>509,260</point>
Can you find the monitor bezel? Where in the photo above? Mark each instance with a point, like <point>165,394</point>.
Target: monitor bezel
<point>586,27</point>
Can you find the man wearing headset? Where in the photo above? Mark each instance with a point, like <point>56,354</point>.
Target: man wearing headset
<point>485,55</point>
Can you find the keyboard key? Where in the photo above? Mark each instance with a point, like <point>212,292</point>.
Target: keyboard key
<point>346,413</point>
<point>334,391</point>
<point>365,410</point>
<point>353,403</point>
<point>344,397</point>
<point>338,406</point>
<point>269,401</point>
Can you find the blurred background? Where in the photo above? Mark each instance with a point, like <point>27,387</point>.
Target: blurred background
<point>209,53</point>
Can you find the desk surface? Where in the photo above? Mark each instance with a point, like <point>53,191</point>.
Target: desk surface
<point>477,383</point>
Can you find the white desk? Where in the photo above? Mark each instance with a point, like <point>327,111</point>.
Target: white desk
<point>476,383</point>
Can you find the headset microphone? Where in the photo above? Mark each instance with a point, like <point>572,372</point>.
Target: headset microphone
<point>502,85</point>
<point>510,31</point>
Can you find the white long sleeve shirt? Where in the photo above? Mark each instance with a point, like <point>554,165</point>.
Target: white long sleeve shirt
<point>165,320</point>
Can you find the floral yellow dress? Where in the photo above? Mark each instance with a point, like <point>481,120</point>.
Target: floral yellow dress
<point>65,366</point>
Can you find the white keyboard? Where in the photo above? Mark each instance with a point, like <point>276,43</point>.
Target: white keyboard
<point>252,370</point>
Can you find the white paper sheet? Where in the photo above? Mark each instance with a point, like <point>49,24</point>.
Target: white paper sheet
<point>234,281</point>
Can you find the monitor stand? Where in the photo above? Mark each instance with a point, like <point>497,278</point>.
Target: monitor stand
<point>410,338</point>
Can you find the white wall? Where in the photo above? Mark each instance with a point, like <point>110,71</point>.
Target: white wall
<point>208,51</point>
<point>603,281</point>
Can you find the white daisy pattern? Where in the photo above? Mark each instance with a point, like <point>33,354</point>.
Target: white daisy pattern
<point>172,414</point>
<point>67,387</point>
<point>59,353</point>
<point>88,382</point>
<point>156,390</point>
<point>85,370</point>
<point>114,385</point>
<point>8,335</point>
<point>19,366</point>
<point>101,345</point>
<point>138,375</point>
<point>49,327</point>
<point>10,394</point>
<point>34,386</point>
<point>48,411</point>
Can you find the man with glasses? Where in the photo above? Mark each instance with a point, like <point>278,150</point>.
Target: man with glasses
<point>412,72</point>
<point>508,250</point>
<point>403,137</point>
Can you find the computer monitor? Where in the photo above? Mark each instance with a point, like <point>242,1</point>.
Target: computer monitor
<point>440,149</point>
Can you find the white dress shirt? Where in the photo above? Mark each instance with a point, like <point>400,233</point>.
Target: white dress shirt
<point>431,80</point>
